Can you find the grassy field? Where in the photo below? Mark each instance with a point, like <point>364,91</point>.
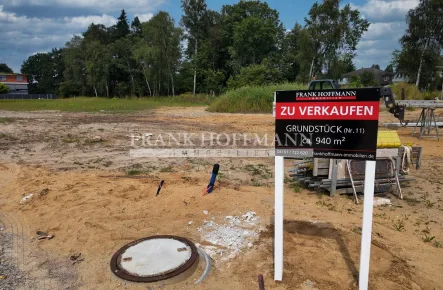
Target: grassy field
<point>412,93</point>
<point>92,104</point>
<point>251,99</point>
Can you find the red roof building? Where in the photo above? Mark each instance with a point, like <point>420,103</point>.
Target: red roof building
<point>17,83</point>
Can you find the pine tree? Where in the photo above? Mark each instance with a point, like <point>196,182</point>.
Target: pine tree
<point>136,26</point>
<point>122,26</point>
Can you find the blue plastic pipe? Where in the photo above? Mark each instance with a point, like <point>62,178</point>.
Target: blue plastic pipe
<point>213,177</point>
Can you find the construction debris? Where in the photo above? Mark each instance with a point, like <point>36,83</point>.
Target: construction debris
<point>230,238</point>
<point>44,236</point>
<point>379,201</point>
<point>26,198</point>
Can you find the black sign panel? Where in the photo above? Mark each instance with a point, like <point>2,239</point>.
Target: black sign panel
<point>339,124</point>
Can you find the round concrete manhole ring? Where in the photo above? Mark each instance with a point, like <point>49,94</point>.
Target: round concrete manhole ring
<point>154,258</point>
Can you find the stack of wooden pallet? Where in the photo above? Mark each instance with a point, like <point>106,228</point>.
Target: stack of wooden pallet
<point>317,174</point>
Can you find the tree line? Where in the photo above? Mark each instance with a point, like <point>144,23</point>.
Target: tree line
<point>422,44</point>
<point>211,51</point>
<point>206,52</point>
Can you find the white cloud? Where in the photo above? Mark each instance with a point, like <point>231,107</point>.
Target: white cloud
<point>379,31</point>
<point>25,36</point>
<point>388,25</point>
<point>386,10</point>
<point>144,17</point>
<point>102,6</point>
<point>85,21</point>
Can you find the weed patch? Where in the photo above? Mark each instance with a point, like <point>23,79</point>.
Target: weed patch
<point>250,99</point>
<point>399,226</point>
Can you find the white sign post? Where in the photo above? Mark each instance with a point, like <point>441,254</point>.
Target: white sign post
<point>368,203</point>
<point>278,214</point>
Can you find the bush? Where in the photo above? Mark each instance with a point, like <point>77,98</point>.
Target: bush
<point>412,93</point>
<point>4,89</point>
<point>355,82</point>
<point>255,75</point>
<point>431,95</point>
<point>368,79</point>
<point>251,99</point>
<point>202,99</point>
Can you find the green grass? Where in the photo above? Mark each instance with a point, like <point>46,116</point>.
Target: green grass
<point>412,93</point>
<point>132,172</point>
<point>6,120</point>
<point>167,169</point>
<point>92,104</point>
<point>251,99</point>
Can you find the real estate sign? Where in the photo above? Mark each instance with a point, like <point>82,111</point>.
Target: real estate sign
<point>339,124</point>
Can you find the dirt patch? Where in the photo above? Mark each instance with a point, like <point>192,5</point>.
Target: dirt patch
<point>97,198</point>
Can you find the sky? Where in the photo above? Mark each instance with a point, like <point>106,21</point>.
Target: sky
<point>31,26</point>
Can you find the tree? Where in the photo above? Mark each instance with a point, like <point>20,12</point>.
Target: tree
<point>306,56</point>
<point>334,31</point>
<point>4,89</point>
<point>144,56</point>
<point>123,67</point>
<point>97,32</point>
<point>44,72</point>
<point>368,79</point>
<point>159,53</point>
<point>74,76</point>
<point>355,81</point>
<point>256,74</point>
<point>136,27</point>
<point>389,68</point>
<point>340,65</point>
<point>122,27</point>
<point>4,68</point>
<point>194,23</point>
<point>376,66</point>
<point>252,32</point>
<point>291,51</point>
<point>424,34</point>
<point>97,64</point>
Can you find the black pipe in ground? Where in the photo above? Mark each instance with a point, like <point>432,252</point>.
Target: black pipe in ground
<point>261,282</point>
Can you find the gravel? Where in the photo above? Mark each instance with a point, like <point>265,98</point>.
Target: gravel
<point>41,271</point>
<point>12,276</point>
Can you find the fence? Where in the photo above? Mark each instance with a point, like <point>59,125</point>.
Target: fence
<point>27,97</point>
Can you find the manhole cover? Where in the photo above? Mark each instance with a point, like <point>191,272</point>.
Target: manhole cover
<point>154,258</point>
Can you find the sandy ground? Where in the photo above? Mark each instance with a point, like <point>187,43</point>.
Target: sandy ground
<point>93,207</point>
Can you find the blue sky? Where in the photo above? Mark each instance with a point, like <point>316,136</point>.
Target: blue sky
<point>31,26</point>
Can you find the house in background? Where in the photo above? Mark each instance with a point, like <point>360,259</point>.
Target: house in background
<point>400,77</point>
<point>383,78</point>
<point>17,83</point>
